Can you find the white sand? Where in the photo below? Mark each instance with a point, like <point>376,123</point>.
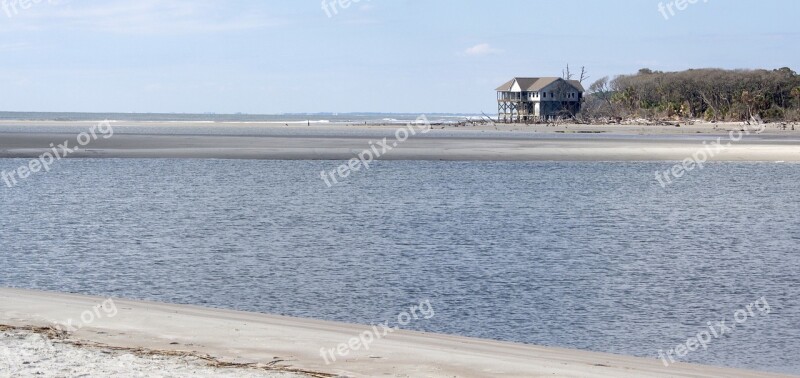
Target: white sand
<point>294,343</point>
<point>28,354</point>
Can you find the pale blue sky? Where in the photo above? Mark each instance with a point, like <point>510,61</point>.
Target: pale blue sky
<point>281,56</point>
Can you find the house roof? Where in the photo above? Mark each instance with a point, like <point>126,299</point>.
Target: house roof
<point>576,84</point>
<point>528,84</point>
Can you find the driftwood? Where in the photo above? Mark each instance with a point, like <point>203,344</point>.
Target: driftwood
<point>52,333</point>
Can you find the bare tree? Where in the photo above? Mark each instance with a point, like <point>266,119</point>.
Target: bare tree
<point>566,74</point>
<point>599,102</point>
<point>584,75</point>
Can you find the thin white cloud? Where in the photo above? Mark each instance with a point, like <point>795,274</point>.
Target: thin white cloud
<point>144,17</point>
<point>361,21</point>
<point>482,49</point>
<point>7,47</point>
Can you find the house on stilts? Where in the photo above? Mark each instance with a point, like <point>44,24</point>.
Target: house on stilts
<point>538,99</point>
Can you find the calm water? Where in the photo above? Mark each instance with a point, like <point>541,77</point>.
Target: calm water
<point>581,255</point>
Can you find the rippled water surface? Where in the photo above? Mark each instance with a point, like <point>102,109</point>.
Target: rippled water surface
<point>593,256</point>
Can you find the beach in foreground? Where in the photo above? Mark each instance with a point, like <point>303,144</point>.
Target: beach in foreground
<point>731,142</point>
<point>145,335</point>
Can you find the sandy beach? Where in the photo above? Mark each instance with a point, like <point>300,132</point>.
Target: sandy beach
<point>29,139</point>
<point>154,336</point>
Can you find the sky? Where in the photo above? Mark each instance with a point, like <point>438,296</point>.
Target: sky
<point>409,56</point>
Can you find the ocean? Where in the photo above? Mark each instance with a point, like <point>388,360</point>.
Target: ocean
<point>315,118</point>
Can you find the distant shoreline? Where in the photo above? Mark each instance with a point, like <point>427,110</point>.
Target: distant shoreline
<point>445,142</point>
<point>356,117</point>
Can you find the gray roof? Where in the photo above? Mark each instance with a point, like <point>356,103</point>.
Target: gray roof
<point>576,84</point>
<point>529,84</point>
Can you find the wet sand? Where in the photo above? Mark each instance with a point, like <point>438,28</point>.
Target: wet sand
<point>294,344</point>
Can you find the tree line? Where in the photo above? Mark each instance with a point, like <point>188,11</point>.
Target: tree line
<point>710,94</point>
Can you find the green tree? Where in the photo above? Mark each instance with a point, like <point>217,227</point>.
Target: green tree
<point>796,95</point>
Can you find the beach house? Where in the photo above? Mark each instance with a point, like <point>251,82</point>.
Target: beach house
<point>536,99</point>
